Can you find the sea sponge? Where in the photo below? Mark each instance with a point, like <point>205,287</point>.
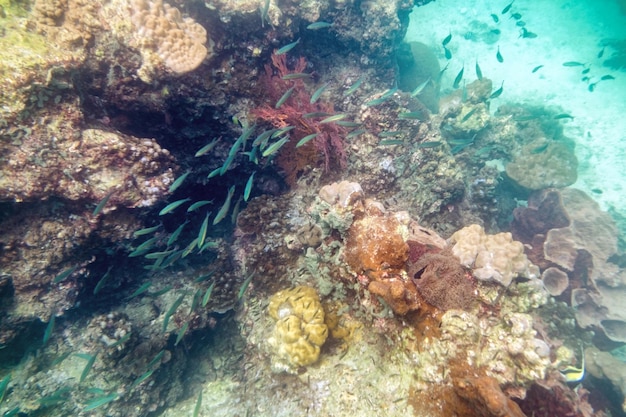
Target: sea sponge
<point>376,246</point>
<point>441,281</point>
<point>300,330</point>
<point>178,42</point>
<point>492,257</point>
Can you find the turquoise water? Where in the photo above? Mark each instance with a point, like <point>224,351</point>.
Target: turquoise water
<point>361,224</point>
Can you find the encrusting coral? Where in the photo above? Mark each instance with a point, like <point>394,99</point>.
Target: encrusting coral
<point>300,330</point>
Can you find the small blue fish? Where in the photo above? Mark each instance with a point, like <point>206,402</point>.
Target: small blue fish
<point>146,231</point>
<point>178,182</point>
<point>195,206</point>
<point>63,275</point>
<point>479,73</point>
<point>203,230</point>
<point>102,203</point>
<point>225,207</point>
<point>354,86</point>
<point>498,92</point>
<point>457,80</point>
<point>248,188</point>
<point>49,329</point>
<point>418,90</point>
<point>319,25</point>
<point>173,206</point>
<point>295,76</point>
<point>207,295</point>
<point>284,97</point>
<point>317,93</point>
<point>447,39</point>
<point>174,236</point>
<point>305,140</point>
<point>287,48</point>
<point>273,148</point>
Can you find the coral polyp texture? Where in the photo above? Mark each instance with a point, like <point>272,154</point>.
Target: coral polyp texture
<point>179,42</point>
<point>300,330</point>
<point>496,257</point>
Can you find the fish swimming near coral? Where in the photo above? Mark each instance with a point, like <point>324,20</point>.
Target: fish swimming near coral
<point>573,374</point>
<point>287,47</point>
<point>498,92</point>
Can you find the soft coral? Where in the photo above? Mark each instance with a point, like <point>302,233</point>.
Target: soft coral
<point>329,141</point>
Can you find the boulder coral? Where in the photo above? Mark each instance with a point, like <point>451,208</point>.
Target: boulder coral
<point>496,257</point>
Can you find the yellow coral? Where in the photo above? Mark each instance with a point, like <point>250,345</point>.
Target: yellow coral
<point>492,257</point>
<point>300,330</point>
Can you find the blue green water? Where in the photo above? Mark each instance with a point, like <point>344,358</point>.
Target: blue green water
<point>185,331</point>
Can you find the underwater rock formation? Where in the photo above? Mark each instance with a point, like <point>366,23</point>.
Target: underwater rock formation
<point>603,365</point>
<point>417,63</point>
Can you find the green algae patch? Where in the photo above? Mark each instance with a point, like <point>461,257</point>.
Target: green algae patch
<point>27,59</point>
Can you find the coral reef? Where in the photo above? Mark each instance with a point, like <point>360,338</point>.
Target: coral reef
<point>300,330</point>
<point>328,144</point>
<point>571,236</point>
<point>85,166</point>
<point>496,257</point>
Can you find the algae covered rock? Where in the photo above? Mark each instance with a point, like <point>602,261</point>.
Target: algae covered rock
<point>300,330</point>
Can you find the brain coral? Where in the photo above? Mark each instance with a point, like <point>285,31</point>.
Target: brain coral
<point>300,330</point>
